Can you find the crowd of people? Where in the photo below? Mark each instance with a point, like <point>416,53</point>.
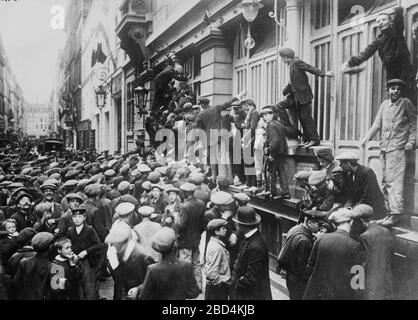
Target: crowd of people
<point>71,220</point>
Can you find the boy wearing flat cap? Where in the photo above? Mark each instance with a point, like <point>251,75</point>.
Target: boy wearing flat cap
<point>396,123</point>
<point>217,260</point>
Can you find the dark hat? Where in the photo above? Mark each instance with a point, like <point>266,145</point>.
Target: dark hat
<point>53,171</point>
<point>74,196</point>
<point>23,194</point>
<point>325,154</point>
<point>223,182</point>
<point>79,210</point>
<point>22,178</point>
<point>394,82</point>
<point>203,100</point>
<point>82,184</point>
<point>266,110</point>
<point>49,186</point>
<point>70,184</point>
<point>341,215</point>
<point>154,177</point>
<point>202,195</point>
<point>171,188</point>
<point>314,214</point>
<point>25,235</point>
<point>72,174</point>
<point>247,216</point>
<point>216,224</point>
<point>287,52</point>
<point>362,211</point>
<point>42,241</point>
<point>93,190</point>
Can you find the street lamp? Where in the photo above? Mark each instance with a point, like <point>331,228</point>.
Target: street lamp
<point>100,97</point>
<point>250,10</point>
<point>140,96</point>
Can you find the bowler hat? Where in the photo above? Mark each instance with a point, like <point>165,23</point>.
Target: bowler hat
<point>247,216</point>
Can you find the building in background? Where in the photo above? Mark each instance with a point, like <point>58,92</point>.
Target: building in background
<point>37,121</point>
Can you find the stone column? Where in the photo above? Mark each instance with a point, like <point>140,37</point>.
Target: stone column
<point>294,25</point>
<point>216,72</point>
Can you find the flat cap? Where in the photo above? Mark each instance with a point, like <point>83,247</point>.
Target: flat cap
<point>146,185</point>
<point>93,190</point>
<point>314,214</point>
<point>22,195</point>
<point>394,82</point>
<point>124,209</point>
<point>54,165</point>
<point>146,211</point>
<point>341,215</point>
<point>197,177</point>
<point>216,224</point>
<point>223,182</point>
<point>317,177</point>
<point>337,170</point>
<point>25,235</point>
<point>202,195</point>
<point>135,173</point>
<point>162,170</point>
<point>287,52</point>
<point>72,174</point>
<point>222,198</point>
<point>163,240</point>
<point>348,155</point>
<point>110,173</point>
<point>27,171</point>
<point>112,163</point>
<point>119,233</point>
<point>74,196</point>
<point>84,183</point>
<point>325,154</point>
<point>143,168</point>
<point>154,177</point>
<point>49,186</point>
<point>266,110</point>
<point>53,171</point>
<point>188,187</point>
<point>124,170</point>
<point>124,186</point>
<point>170,188</point>
<point>52,181</point>
<point>362,211</point>
<point>242,198</point>
<point>303,175</point>
<point>42,241</point>
<point>70,184</point>
<point>78,211</point>
<point>16,185</point>
<point>203,100</point>
<point>5,184</point>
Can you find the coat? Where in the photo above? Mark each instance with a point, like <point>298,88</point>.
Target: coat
<point>377,244</point>
<point>33,279</point>
<point>330,262</point>
<point>299,82</point>
<point>145,231</point>
<point>191,224</point>
<point>364,190</point>
<point>276,138</point>
<point>170,279</point>
<point>19,255</point>
<point>250,277</point>
<point>131,273</point>
<point>251,124</point>
<point>96,218</point>
<point>393,51</point>
<point>22,221</point>
<point>87,240</point>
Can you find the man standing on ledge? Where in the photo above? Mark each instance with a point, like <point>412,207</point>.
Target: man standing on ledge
<point>300,89</point>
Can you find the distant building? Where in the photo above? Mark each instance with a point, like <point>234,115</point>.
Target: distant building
<point>37,121</point>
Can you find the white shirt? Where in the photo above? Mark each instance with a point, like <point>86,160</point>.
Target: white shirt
<point>250,233</point>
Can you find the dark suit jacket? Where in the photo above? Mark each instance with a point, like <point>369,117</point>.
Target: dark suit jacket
<point>332,257</point>
<point>252,124</point>
<point>299,82</point>
<point>364,190</point>
<point>170,279</point>
<point>250,277</point>
<point>87,240</point>
<point>97,218</point>
<point>276,138</point>
<point>377,244</point>
<point>131,273</point>
<point>22,221</point>
<point>191,224</point>
<point>211,118</point>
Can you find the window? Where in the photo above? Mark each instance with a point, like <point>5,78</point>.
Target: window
<point>130,107</point>
<point>347,9</point>
<point>197,64</point>
<point>321,13</point>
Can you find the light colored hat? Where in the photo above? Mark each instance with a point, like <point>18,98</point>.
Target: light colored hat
<point>110,173</point>
<point>112,163</point>
<point>143,168</point>
<point>341,215</point>
<point>242,198</point>
<point>197,177</point>
<point>303,175</point>
<point>70,184</point>
<point>317,178</point>
<point>146,211</point>
<point>348,155</point>
<point>362,211</point>
<point>124,186</point>
<point>188,187</point>
<point>221,198</point>
<point>163,240</point>
<point>146,185</point>
<point>119,233</point>
<point>124,209</point>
